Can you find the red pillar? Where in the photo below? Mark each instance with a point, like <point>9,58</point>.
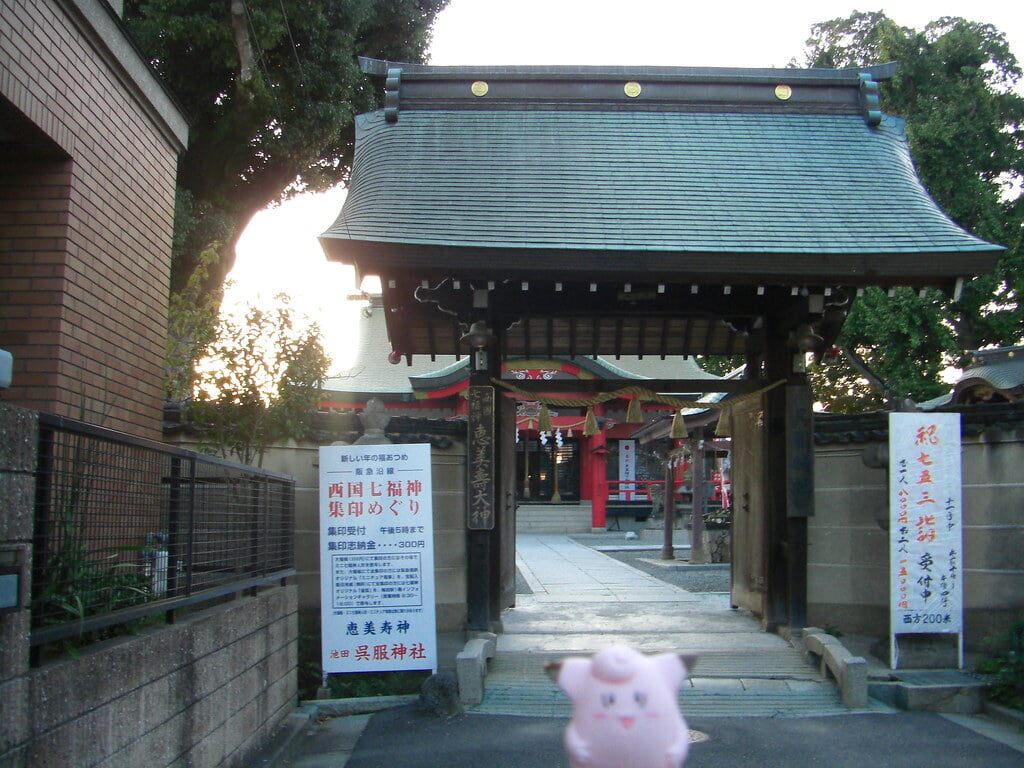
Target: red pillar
<point>598,478</point>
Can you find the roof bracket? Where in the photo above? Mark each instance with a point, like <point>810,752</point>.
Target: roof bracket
<point>869,101</point>
<point>392,86</point>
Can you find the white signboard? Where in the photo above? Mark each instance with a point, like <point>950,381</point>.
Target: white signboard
<point>627,469</point>
<point>376,558</point>
<point>925,526</point>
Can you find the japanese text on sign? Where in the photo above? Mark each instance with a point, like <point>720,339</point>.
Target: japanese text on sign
<point>480,504</point>
<point>376,559</point>
<point>925,535</point>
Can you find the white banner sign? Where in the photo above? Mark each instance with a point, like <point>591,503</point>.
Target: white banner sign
<point>627,469</point>
<point>377,558</point>
<point>925,527</point>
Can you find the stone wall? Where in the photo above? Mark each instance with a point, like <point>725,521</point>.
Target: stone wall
<point>86,214</point>
<point>205,692</point>
<point>848,550</point>
<point>18,440</point>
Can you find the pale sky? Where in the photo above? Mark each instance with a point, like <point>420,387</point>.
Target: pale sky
<point>279,251</point>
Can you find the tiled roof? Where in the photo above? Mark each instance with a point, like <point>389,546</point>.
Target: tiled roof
<point>701,168</point>
<point>1000,369</point>
<point>643,181</point>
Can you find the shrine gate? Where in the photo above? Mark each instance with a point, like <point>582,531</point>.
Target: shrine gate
<point>518,211</point>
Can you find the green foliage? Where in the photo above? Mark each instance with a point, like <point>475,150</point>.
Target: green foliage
<point>907,338</point>
<point>965,125</point>
<point>1006,671</point>
<point>78,579</point>
<point>191,327</point>
<point>360,684</point>
<point>259,383</point>
<point>720,365</point>
<point>272,88</point>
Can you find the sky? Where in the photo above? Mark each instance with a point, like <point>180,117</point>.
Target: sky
<point>279,252</point>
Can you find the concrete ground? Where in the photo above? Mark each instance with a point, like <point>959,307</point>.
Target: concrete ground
<point>753,699</point>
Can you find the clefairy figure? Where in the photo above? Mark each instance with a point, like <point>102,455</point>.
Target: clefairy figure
<point>625,711</point>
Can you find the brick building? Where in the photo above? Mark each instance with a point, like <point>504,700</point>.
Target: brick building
<point>89,142</point>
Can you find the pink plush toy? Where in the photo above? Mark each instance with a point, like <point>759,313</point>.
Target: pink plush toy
<point>625,713</point>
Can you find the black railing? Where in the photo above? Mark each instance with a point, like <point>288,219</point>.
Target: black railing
<point>127,527</point>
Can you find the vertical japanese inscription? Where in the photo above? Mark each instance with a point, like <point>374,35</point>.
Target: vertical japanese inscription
<point>480,481</point>
<point>925,535</point>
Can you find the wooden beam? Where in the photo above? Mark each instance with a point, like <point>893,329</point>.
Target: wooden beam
<point>731,386</point>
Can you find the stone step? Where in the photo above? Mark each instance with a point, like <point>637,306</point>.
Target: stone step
<point>701,696</point>
<point>931,690</point>
<point>767,682</point>
<point>765,663</point>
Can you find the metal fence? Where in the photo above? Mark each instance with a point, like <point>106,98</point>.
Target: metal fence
<point>126,527</point>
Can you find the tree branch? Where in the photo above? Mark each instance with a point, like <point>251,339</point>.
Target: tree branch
<point>240,28</point>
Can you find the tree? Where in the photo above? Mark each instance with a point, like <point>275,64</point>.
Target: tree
<point>191,326</point>
<point>965,125</point>
<point>272,87</point>
<point>259,382</point>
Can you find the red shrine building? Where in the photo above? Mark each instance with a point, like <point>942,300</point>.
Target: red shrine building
<point>561,462</point>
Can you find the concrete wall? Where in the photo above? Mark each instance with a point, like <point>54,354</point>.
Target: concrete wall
<point>848,551</point>
<point>204,692</point>
<point>87,181</point>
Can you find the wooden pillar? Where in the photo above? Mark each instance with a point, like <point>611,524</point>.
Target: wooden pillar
<point>799,493</point>
<point>482,492</point>
<point>789,468</point>
<point>698,556</point>
<point>778,365</point>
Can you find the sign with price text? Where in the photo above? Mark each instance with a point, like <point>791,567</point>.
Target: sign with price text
<point>376,559</point>
<point>925,524</point>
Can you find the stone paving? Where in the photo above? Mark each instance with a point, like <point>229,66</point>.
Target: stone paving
<point>583,600</point>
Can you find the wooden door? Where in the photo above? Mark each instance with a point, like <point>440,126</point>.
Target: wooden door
<point>749,526</point>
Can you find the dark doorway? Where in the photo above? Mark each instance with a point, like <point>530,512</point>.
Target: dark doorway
<point>536,481</point>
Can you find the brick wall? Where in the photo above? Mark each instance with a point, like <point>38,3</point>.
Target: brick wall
<point>86,214</point>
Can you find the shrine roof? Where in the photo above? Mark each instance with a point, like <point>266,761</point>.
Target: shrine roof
<point>736,175</point>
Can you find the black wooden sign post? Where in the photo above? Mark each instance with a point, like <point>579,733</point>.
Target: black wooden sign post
<point>480,496</point>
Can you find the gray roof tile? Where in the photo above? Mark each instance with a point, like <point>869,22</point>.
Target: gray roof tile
<point>642,181</point>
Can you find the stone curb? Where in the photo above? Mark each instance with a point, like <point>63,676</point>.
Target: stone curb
<point>281,740</point>
<point>1011,717</point>
<point>471,666</point>
<point>298,721</point>
<point>356,706</point>
<point>850,672</point>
